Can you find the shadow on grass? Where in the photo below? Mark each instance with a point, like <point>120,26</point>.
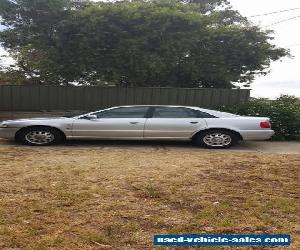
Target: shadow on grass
<point>128,143</point>
<point>131,144</point>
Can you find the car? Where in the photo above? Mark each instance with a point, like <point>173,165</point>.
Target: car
<point>205,127</point>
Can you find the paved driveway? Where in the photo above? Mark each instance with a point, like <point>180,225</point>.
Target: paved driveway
<point>284,147</point>
<point>249,146</point>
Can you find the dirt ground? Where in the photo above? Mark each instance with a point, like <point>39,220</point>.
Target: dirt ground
<point>117,197</point>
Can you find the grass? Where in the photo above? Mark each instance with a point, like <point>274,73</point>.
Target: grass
<point>119,197</point>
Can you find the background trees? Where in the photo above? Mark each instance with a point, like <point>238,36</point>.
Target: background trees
<point>207,5</point>
<point>153,43</point>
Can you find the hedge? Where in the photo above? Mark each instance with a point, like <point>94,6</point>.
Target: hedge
<point>284,113</point>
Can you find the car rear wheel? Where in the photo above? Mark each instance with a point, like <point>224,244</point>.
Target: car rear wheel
<point>216,139</point>
<point>39,136</point>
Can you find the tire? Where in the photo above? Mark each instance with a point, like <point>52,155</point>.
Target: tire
<point>216,139</point>
<point>39,136</point>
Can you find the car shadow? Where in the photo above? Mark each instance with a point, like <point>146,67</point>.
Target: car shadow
<point>127,143</point>
<point>158,144</point>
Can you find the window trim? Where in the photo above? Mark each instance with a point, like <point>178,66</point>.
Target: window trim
<point>111,109</point>
<point>150,112</point>
<point>193,110</point>
<point>203,115</point>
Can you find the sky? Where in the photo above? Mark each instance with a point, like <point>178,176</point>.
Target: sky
<point>284,76</point>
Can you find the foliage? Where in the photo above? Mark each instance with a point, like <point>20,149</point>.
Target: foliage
<point>284,113</point>
<point>13,77</point>
<point>137,43</point>
<point>207,5</point>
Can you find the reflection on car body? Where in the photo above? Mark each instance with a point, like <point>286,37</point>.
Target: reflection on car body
<point>208,128</point>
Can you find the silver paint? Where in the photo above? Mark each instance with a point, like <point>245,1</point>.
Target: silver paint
<point>143,128</point>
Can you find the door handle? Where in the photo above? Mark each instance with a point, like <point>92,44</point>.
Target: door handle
<point>193,122</point>
<point>134,122</point>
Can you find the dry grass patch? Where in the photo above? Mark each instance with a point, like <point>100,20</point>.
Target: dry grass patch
<point>118,198</point>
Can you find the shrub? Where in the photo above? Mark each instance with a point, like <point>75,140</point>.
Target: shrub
<point>284,113</point>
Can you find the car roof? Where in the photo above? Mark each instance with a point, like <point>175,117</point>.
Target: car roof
<point>157,105</point>
<point>209,111</point>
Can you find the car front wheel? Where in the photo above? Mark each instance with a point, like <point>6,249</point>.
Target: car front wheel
<point>39,136</point>
<point>216,139</point>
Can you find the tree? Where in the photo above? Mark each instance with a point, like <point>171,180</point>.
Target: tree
<point>207,5</point>
<point>152,43</point>
<point>30,35</point>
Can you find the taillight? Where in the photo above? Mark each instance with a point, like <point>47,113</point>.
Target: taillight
<point>265,124</point>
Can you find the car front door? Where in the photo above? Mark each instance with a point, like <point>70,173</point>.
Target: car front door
<point>173,122</point>
<point>119,123</point>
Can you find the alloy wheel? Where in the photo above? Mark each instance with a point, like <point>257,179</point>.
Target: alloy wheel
<point>39,137</point>
<point>217,140</point>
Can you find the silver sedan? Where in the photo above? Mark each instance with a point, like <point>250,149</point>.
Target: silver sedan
<point>208,128</point>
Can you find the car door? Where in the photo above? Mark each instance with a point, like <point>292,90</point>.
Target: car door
<point>119,123</point>
<point>173,122</point>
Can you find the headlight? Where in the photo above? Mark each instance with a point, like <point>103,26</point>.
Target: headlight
<point>3,125</point>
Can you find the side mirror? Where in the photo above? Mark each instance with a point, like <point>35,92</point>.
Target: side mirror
<point>91,117</point>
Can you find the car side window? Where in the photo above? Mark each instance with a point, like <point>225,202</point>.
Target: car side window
<point>205,115</point>
<point>174,112</point>
<point>124,112</point>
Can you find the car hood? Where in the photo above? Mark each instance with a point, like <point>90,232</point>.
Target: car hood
<point>38,119</point>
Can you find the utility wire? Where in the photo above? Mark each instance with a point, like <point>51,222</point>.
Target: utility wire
<point>275,12</point>
<point>292,45</point>
<point>283,21</point>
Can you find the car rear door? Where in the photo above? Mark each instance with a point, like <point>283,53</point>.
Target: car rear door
<point>119,123</point>
<point>173,122</point>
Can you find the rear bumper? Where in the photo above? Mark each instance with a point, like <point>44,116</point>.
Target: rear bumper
<point>8,133</point>
<point>256,135</point>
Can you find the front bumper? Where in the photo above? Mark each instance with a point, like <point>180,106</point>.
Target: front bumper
<point>8,133</point>
<point>257,135</point>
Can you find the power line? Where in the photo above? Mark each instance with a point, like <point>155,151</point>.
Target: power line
<point>275,12</point>
<point>292,45</point>
<point>283,21</point>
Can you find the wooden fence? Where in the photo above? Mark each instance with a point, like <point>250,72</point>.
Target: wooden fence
<point>68,98</point>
